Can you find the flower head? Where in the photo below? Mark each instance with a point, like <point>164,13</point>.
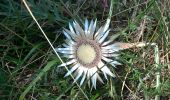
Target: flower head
<point>88,51</point>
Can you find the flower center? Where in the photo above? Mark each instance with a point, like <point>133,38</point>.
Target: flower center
<point>88,52</point>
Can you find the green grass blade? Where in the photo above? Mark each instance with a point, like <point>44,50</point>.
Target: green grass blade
<point>43,71</point>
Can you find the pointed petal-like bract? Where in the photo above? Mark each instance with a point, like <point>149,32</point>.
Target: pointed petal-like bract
<point>86,27</point>
<point>93,29</point>
<point>84,76</point>
<point>79,73</point>
<point>72,30</point>
<point>72,69</point>
<point>65,51</point>
<point>106,26</point>
<point>68,63</point>
<point>94,76</point>
<point>90,29</point>
<point>72,35</point>
<point>78,29</point>
<point>67,35</point>
<point>104,36</point>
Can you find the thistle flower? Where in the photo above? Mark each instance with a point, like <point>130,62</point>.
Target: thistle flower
<point>88,51</point>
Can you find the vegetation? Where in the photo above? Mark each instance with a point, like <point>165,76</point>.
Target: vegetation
<point>28,65</point>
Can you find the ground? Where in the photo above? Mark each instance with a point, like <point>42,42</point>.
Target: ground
<point>28,66</point>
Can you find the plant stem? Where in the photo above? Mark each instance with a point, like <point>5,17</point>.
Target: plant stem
<point>156,53</point>
<point>110,10</point>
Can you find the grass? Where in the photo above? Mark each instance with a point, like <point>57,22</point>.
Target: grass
<point>28,66</point>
